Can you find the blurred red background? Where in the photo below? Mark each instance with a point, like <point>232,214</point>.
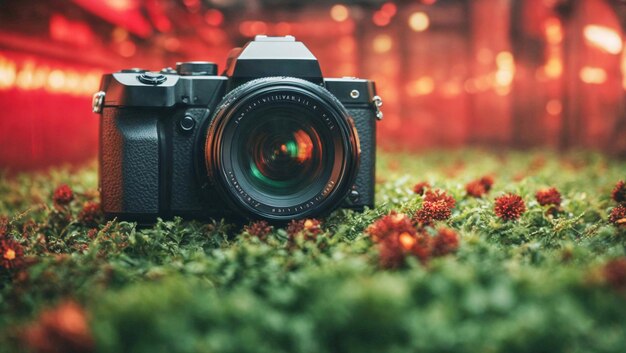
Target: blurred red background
<point>498,73</point>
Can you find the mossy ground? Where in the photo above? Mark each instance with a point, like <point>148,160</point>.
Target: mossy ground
<point>537,284</point>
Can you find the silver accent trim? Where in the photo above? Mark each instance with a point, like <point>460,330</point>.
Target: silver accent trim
<point>354,94</point>
<point>378,102</point>
<point>266,38</point>
<point>97,102</point>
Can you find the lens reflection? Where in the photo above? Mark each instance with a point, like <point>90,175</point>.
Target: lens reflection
<point>283,155</point>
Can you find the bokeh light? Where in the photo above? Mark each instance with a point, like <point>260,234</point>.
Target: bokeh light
<point>382,43</point>
<point>419,21</point>
<point>339,13</point>
<point>604,38</point>
<point>593,75</point>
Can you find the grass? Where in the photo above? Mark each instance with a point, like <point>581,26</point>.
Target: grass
<point>542,283</point>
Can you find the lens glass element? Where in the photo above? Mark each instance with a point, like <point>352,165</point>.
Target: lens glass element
<point>281,154</point>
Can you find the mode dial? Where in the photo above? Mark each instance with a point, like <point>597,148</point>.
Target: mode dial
<point>152,78</point>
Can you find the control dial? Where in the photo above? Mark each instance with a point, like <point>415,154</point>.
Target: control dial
<point>152,78</point>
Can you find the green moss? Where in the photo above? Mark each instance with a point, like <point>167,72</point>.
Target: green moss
<point>532,285</point>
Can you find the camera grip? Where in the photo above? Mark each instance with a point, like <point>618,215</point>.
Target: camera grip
<point>129,162</point>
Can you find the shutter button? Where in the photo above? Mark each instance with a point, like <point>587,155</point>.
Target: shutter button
<point>152,78</point>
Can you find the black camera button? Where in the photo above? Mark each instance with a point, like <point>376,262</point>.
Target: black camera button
<point>187,123</point>
<point>353,196</point>
<point>152,78</point>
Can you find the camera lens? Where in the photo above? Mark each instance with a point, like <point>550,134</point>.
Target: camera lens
<point>280,155</point>
<point>282,149</point>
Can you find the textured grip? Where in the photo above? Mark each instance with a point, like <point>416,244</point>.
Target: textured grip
<point>129,162</point>
<point>365,122</point>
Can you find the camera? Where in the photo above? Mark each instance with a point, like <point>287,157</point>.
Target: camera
<point>268,139</point>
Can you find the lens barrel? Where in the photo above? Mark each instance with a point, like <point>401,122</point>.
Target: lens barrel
<point>281,148</point>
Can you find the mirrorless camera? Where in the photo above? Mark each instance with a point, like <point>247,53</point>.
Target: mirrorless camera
<point>268,139</point>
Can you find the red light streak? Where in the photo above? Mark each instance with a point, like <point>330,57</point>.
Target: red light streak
<point>30,75</point>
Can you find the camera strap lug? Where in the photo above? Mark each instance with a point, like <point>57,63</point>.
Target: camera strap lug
<point>378,102</point>
<point>97,102</point>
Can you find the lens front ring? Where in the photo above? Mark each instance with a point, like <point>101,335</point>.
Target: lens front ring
<point>311,118</point>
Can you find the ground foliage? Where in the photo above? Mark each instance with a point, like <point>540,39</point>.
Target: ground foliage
<point>552,280</point>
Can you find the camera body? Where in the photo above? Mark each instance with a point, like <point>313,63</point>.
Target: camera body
<point>186,142</point>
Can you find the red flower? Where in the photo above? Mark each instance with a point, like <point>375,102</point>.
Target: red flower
<point>390,224</point>
<point>479,187</point>
<point>487,182</point>
<point>392,251</point>
<point>11,254</point>
<point>548,196</point>
<point>397,239</point>
<point>61,329</point>
<point>615,273</point>
<point>63,195</point>
<point>619,192</point>
<point>422,248</point>
<point>475,188</point>
<point>509,207</point>
<point>438,195</point>
<point>421,187</point>
<point>309,227</point>
<point>618,216</point>
<point>432,211</point>
<point>445,242</point>
<point>259,229</point>
<point>91,214</point>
